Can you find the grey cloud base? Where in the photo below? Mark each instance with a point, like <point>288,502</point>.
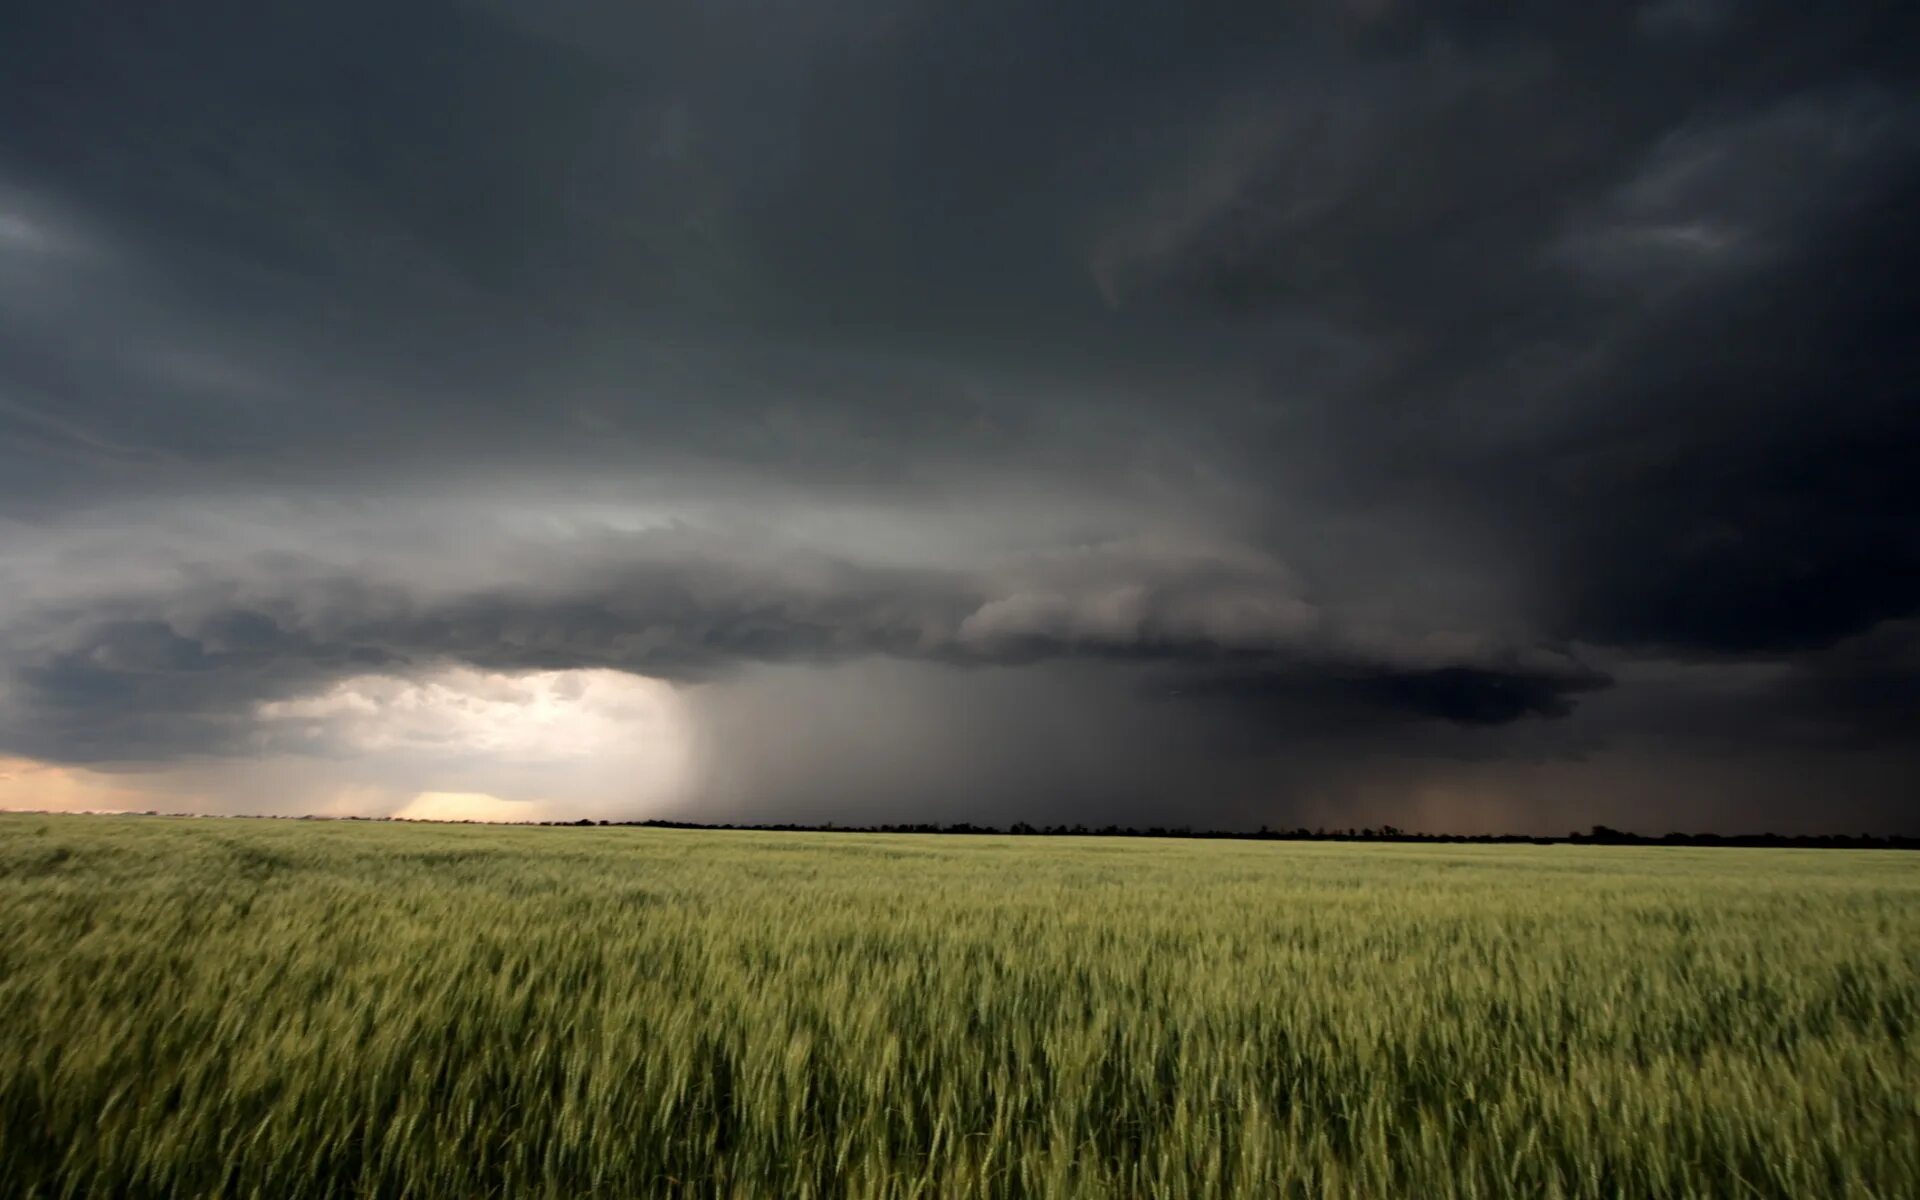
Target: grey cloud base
<point>176,672</point>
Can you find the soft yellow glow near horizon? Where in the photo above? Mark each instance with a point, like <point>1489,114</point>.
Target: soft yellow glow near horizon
<point>27,784</point>
<point>467,806</point>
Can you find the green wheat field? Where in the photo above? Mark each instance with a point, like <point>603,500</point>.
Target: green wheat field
<point>298,1009</point>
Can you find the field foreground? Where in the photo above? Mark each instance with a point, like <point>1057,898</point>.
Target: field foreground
<point>296,1009</point>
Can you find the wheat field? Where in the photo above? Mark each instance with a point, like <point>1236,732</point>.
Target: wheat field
<point>304,1009</point>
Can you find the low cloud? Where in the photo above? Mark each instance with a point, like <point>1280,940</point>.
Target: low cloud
<point>238,667</point>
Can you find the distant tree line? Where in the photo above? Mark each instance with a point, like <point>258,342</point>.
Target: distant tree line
<point>1598,835</point>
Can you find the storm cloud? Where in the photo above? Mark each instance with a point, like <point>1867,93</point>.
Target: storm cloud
<point>1446,414</point>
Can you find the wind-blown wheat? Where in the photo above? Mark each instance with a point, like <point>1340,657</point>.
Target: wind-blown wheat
<point>304,1009</point>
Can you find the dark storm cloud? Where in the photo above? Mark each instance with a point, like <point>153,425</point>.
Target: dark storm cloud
<point>1314,398</point>
<point>1648,321</point>
<point>1656,345</point>
<point>1859,694</point>
<point>1467,695</point>
<point>154,674</point>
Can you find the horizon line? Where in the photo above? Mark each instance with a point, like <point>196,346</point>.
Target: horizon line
<point>1598,834</point>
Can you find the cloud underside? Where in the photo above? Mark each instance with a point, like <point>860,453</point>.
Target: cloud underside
<point>126,677</point>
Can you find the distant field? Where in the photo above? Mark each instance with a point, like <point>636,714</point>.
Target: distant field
<point>282,1010</point>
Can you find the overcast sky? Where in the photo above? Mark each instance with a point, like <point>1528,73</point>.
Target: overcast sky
<point>1460,415</point>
